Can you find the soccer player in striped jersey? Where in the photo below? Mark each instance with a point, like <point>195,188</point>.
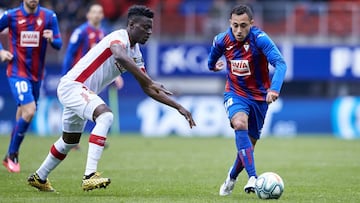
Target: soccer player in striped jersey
<point>84,37</point>
<point>249,88</point>
<point>115,54</point>
<point>31,29</point>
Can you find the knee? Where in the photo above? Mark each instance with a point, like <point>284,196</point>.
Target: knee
<point>239,124</point>
<point>105,118</point>
<point>28,113</point>
<point>101,109</point>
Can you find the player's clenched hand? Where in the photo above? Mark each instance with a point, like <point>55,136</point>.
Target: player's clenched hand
<point>188,116</point>
<point>5,55</point>
<point>271,97</point>
<point>48,34</point>
<point>158,87</point>
<point>119,82</point>
<point>219,66</point>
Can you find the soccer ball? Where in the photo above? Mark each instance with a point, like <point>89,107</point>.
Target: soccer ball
<point>269,185</point>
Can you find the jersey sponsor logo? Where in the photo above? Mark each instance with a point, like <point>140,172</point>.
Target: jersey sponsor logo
<point>240,67</point>
<point>22,21</point>
<point>29,38</point>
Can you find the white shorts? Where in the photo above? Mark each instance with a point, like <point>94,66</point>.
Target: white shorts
<point>79,104</point>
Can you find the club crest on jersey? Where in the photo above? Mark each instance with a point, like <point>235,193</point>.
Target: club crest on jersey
<point>92,35</point>
<point>39,21</point>
<point>29,38</point>
<point>240,67</point>
<point>246,46</point>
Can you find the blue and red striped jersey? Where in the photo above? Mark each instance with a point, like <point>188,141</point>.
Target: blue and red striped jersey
<point>247,63</point>
<point>26,42</point>
<point>82,39</point>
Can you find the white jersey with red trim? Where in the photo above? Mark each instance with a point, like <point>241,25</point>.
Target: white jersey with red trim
<point>98,68</point>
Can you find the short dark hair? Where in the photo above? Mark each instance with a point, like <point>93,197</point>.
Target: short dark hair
<point>139,10</point>
<point>241,9</point>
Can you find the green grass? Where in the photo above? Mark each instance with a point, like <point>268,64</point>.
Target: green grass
<point>175,169</point>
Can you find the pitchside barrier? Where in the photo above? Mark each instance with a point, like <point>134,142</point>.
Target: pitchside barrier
<point>182,68</point>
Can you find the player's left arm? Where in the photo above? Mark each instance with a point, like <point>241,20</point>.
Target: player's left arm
<point>275,58</point>
<point>53,34</point>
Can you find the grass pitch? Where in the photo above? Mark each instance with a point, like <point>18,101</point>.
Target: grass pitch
<point>175,169</point>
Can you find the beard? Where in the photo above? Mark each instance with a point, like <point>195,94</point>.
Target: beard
<point>32,5</point>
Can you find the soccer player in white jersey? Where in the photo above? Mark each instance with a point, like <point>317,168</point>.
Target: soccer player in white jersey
<point>77,91</point>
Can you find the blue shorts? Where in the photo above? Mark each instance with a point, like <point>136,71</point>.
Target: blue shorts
<point>256,110</point>
<point>24,90</point>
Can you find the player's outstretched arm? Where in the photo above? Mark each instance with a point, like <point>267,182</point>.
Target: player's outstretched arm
<point>126,62</point>
<point>165,99</point>
<point>152,88</point>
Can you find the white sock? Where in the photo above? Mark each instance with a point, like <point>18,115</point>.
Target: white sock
<point>57,153</point>
<point>97,141</point>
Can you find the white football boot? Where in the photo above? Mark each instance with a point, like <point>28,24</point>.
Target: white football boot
<point>250,185</point>
<point>228,186</point>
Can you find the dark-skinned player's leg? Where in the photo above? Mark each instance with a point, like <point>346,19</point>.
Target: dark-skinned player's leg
<point>103,118</point>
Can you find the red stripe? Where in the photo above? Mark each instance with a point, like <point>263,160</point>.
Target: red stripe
<point>21,51</point>
<point>78,55</point>
<point>93,40</point>
<point>11,50</point>
<point>116,42</point>
<point>265,79</point>
<point>94,65</point>
<point>229,55</point>
<point>240,164</point>
<point>35,69</point>
<point>248,154</point>
<point>56,153</point>
<point>98,140</point>
<point>250,80</point>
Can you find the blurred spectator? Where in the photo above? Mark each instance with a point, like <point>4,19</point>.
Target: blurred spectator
<point>114,9</point>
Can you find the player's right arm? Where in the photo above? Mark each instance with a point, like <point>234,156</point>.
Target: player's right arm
<point>216,51</point>
<point>152,88</point>
<point>4,23</point>
<point>148,85</point>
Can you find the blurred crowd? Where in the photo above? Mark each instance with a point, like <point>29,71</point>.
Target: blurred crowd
<point>72,13</point>
<point>179,19</point>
